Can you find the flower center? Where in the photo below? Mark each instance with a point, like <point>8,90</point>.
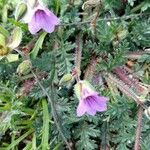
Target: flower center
<point>40,13</point>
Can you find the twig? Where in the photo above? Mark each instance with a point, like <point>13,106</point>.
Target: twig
<point>90,69</point>
<point>125,89</point>
<point>49,99</point>
<point>106,19</point>
<point>94,21</point>
<point>53,110</point>
<point>138,129</point>
<point>78,54</point>
<point>136,54</point>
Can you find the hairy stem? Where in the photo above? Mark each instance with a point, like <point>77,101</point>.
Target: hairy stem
<point>138,129</point>
<point>107,19</point>
<point>125,89</point>
<point>90,69</point>
<point>53,111</point>
<point>94,21</point>
<point>78,55</point>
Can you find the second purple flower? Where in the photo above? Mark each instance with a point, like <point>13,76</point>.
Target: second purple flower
<point>89,100</point>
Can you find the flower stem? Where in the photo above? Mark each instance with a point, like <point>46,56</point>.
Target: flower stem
<point>138,129</point>
<point>106,19</point>
<point>53,111</point>
<point>125,89</point>
<point>78,55</point>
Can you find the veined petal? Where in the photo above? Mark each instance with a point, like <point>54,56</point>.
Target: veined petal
<point>53,19</point>
<point>90,102</point>
<point>47,25</point>
<point>89,107</point>
<point>81,109</point>
<point>99,103</point>
<point>87,92</point>
<point>41,20</point>
<point>34,25</point>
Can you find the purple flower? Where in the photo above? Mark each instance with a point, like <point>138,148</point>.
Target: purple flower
<point>90,102</point>
<point>41,18</point>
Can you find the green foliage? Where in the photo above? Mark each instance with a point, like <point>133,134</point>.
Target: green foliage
<point>45,63</point>
<point>64,56</point>
<point>38,45</point>
<point>84,133</point>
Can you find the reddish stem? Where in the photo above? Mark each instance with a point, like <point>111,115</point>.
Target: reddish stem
<point>138,130</point>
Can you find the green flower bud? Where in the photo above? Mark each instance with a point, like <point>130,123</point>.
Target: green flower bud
<point>122,34</point>
<point>20,11</point>
<point>65,79</point>
<point>32,3</point>
<point>12,57</point>
<point>2,40</point>
<point>15,39</point>
<point>4,50</point>
<point>24,68</point>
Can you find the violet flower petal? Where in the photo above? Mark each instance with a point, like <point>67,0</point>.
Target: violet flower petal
<point>53,19</point>
<point>90,110</point>
<point>43,19</point>
<point>99,103</point>
<point>34,25</point>
<point>88,92</point>
<point>81,109</point>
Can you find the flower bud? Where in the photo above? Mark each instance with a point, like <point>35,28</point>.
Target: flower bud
<point>12,57</point>
<point>122,34</point>
<point>15,39</point>
<point>32,3</point>
<point>4,50</point>
<point>65,79</point>
<point>20,11</point>
<point>24,68</point>
<point>2,40</point>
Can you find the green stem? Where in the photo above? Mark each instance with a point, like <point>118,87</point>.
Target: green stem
<point>138,129</point>
<point>106,19</point>
<point>53,110</point>
<point>78,56</point>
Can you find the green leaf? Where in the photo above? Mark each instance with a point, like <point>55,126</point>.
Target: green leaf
<point>2,41</point>
<point>44,63</point>
<point>18,24</point>
<point>20,11</point>
<point>84,132</point>
<point>4,31</point>
<point>144,58</point>
<point>57,4</point>
<point>16,142</point>
<point>38,45</point>
<point>16,38</point>
<point>12,57</point>
<point>28,146</point>
<point>45,129</point>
